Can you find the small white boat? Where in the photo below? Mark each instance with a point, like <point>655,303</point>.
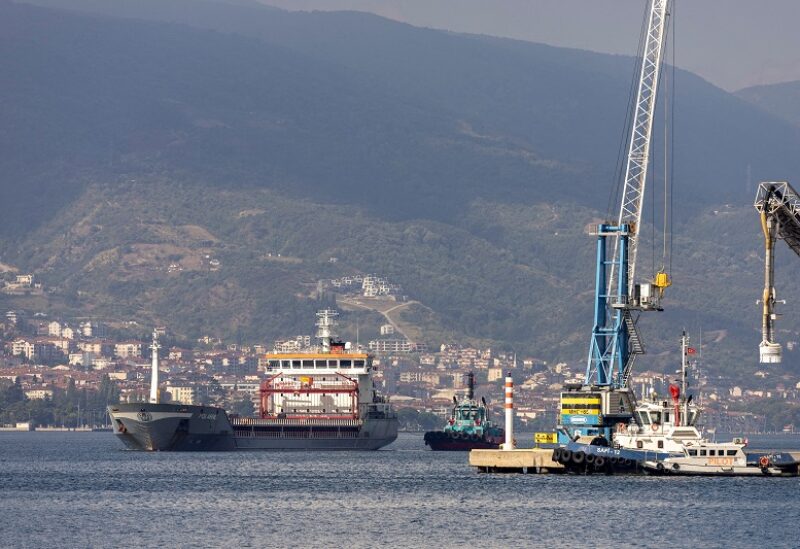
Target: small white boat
<point>723,459</point>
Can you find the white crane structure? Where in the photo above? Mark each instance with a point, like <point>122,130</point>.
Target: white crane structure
<point>638,159</point>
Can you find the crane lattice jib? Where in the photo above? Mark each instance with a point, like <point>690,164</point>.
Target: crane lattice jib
<point>780,201</point>
<point>639,147</point>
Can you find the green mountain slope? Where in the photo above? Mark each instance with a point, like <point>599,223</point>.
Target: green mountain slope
<point>468,169</point>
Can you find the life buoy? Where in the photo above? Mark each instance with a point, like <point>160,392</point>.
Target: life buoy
<point>655,427</point>
<point>763,461</point>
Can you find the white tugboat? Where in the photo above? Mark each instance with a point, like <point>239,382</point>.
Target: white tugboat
<point>663,438</point>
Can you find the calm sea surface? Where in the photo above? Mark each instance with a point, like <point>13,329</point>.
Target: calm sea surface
<point>84,490</point>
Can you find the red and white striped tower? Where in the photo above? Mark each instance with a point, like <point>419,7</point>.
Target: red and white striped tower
<point>509,445</point>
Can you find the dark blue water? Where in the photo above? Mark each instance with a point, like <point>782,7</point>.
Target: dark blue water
<point>83,490</point>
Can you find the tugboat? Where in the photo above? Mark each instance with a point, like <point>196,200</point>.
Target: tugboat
<point>663,438</point>
<point>469,426</point>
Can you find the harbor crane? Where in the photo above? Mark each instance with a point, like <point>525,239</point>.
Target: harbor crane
<point>604,398</point>
<point>779,207</point>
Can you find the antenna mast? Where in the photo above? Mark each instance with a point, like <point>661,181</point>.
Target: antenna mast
<point>154,347</point>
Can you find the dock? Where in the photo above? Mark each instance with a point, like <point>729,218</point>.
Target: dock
<point>539,461</point>
<point>525,460</point>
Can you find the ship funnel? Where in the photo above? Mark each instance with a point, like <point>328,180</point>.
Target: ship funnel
<point>154,346</point>
<point>470,386</point>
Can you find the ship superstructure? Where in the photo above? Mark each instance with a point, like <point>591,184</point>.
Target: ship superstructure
<point>323,398</point>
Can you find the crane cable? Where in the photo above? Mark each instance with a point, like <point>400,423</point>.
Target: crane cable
<point>661,277</point>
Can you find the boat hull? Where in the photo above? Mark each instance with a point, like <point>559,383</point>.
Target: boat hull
<point>588,458</point>
<point>172,427</point>
<point>440,441</point>
<point>182,428</point>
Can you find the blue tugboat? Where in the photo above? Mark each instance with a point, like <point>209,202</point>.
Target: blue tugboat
<point>469,426</point>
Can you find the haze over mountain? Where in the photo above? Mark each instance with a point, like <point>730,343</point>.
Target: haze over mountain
<point>466,168</point>
<point>782,100</point>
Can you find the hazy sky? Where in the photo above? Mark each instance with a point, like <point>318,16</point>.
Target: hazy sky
<point>732,43</point>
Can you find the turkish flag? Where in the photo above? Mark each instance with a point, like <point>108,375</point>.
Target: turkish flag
<point>690,351</point>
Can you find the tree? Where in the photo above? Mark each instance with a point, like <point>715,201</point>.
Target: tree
<point>243,406</point>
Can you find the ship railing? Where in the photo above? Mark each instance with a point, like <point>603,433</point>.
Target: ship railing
<point>309,434</point>
<point>295,422</point>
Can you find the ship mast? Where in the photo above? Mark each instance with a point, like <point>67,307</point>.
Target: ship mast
<point>326,321</point>
<point>154,347</point>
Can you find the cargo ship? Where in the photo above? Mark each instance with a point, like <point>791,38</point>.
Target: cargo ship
<point>322,399</point>
<point>469,426</point>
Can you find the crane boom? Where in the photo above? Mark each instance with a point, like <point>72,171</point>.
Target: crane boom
<point>630,212</point>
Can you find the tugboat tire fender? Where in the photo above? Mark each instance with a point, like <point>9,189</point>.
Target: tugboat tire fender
<point>590,458</point>
<point>578,457</point>
<point>599,462</point>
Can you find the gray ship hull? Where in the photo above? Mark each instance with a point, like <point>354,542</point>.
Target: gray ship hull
<point>171,427</point>
<point>181,428</point>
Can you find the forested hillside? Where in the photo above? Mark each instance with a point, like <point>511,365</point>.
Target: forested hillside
<point>469,169</point>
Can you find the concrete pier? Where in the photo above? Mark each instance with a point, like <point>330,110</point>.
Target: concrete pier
<point>528,460</point>
<point>537,461</point>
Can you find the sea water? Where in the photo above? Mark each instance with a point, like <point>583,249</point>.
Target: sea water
<point>84,490</point>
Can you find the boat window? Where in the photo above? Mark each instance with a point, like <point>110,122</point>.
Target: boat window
<point>359,363</point>
<point>666,417</point>
<point>286,363</point>
<point>333,364</point>
<point>702,452</point>
<point>274,364</point>
<point>731,452</point>
<point>296,364</point>
<point>644,418</point>
<point>655,417</point>
<point>308,364</point>
<point>692,452</point>
<point>639,444</point>
<point>660,443</point>
<point>712,452</point>
<point>321,363</point>
<point>345,363</point>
